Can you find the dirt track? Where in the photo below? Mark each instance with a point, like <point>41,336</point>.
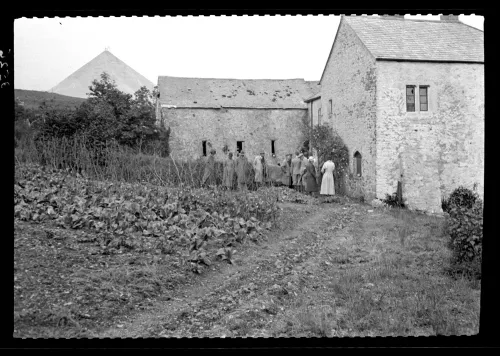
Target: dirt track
<point>247,298</point>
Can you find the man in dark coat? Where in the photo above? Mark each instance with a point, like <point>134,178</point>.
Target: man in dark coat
<point>309,177</point>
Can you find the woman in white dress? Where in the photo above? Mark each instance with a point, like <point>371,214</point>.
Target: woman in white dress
<point>327,183</point>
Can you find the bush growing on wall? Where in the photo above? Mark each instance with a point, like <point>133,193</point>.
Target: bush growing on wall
<point>326,141</point>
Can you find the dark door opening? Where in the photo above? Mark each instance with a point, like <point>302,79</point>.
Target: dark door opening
<point>204,144</point>
<point>239,146</point>
<point>357,157</point>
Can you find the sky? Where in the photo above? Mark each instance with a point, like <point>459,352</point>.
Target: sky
<point>47,50</point>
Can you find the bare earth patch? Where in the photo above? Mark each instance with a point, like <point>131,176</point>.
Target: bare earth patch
<point>332,269</point>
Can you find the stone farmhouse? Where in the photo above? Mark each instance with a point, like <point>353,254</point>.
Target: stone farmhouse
<point>406,96</point>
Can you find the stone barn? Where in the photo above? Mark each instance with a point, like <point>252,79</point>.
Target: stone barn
<point>407,97</point>
<point>232,115</point>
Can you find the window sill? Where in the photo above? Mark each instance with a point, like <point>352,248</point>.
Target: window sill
<point>416,113</point>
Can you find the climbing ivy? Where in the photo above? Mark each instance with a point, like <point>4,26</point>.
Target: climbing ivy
<point>328,144</point>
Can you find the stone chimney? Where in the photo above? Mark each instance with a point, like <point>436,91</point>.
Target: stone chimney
<point>450,18</point>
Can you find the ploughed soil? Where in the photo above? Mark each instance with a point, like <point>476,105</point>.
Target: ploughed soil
<point>330,269</point>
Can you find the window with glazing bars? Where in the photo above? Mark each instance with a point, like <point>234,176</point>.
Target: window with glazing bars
<point>410,98</point>
<point>424,105</point>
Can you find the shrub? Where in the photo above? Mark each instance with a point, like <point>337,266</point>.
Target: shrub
<point>445,204</point>
<point>465,228</point>
<point>393,201</point>
<point>462,197</point>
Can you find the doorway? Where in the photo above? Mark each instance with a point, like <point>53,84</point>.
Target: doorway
<point>239,146</point>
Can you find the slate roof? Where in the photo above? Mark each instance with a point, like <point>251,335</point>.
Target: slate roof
<point>313,97</point>
<point>235,93</point>
<point>422,40</point>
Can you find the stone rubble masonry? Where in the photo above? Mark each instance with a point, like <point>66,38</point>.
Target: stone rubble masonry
<point>349,79</point>
<point>256,127</point>
<point>435,151</point>
<point>431,153</point>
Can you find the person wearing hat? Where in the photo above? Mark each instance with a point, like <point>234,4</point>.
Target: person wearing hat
<point>241,171</point>
<point>296,170</point>
<point>228,173</point>
<point>303,164</point>
<point>259,168</point>
<point>287,170</point>
<point>209,173</point>
<point>310,177</point>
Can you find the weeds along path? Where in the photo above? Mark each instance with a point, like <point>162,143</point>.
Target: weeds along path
<point>244,298</point>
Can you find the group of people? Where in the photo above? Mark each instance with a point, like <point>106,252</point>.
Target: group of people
<point>232,167</point>
<point>298,173</point>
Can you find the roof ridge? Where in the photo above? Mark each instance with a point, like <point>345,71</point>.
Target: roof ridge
<point>404,19</point>
<point>170,76</point>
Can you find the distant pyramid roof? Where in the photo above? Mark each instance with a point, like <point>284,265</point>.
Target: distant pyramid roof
<point>126,78</point>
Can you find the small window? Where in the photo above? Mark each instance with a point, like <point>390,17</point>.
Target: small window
<point>273,147</point>
<point>330,107</point>
<point>424,105</point>
<point>239,146</point>
<point>410,98</point>
<point>357,164</point>
<point>204,146</point>
<point>319,116</point>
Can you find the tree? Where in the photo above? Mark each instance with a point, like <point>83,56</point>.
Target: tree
<point>105,90</point>
<point>107,115</point>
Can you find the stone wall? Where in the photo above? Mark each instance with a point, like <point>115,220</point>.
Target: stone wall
<point>256,127</point>
<point>349,80</point>
<point>432,152</point>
